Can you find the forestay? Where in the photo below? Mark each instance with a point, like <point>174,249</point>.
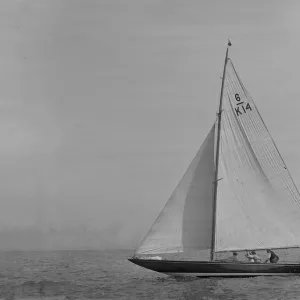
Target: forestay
<point>185,223</point>
<point>258,204</point>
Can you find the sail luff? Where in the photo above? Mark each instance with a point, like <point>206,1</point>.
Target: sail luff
<point>217,159</point>
<point>145,237</point>
<point>143,240</point>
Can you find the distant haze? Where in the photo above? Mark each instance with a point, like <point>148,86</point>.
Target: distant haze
<point>103,104</point>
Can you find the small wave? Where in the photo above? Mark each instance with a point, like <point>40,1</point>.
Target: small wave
<point>45,287</point>
<point>44,298</point>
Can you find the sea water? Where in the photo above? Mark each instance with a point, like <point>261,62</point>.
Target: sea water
<point>108,275</point>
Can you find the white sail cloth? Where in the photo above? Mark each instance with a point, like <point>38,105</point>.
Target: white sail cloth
<point>185,223</point>
<point>258,205</point>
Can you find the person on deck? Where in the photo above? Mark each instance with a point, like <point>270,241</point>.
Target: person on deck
<point>272,257</point>
<point>253,257</point>
<point>233,258</point>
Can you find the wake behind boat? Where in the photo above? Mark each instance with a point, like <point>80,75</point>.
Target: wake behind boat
<point>237,194</point>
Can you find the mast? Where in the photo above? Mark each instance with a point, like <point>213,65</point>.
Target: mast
<point>217,159</point>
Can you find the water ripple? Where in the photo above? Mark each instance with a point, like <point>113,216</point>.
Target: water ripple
<point>108,275</point>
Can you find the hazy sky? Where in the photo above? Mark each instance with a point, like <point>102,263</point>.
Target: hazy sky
<point>104,103</point>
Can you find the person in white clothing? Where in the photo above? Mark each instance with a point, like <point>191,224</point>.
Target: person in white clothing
<point>253,257</point>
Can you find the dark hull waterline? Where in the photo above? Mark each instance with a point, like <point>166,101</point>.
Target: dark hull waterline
<point>217,269</point>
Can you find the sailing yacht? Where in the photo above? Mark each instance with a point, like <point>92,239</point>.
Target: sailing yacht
<point>237,194</point>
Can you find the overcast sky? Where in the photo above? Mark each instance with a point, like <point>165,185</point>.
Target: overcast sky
<point>104,103</point>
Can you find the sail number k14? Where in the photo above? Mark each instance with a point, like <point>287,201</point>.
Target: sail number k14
<point>242,107</point>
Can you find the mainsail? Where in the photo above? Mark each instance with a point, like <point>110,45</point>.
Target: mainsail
<point>185,223</point>
<point>256,204</point>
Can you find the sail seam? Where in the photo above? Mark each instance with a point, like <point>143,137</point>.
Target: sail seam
<point>247,141</point>
<point>270,136</point>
